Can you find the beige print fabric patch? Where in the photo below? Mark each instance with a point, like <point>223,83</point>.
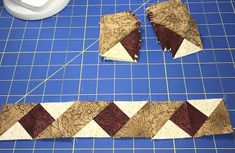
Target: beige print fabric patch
<point>120,38</point>
<point>157,120</point>
<point>176,30</point>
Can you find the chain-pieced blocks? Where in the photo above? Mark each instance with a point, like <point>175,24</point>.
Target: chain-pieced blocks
<point>157,120</point>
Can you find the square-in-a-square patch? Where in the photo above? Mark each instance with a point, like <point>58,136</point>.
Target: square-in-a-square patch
<point>111,119</point>
<point>36,120</point>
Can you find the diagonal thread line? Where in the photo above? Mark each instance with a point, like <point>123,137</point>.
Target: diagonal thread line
<point>140,6</point>
<point>68,62</point>
<point>56,71</point>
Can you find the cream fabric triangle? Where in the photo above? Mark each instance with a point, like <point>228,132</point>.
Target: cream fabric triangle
<point>186,48</point>
<point>56,109</point>
<point>92,129</point>
<point>130,108</point>
<point>118,53</point>
<point>17,131</point>
<point>206,106</point>
<point>170,130</point>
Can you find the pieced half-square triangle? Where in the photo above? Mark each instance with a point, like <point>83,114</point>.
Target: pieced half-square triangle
<point>175,29</point>
<point>120,37</point>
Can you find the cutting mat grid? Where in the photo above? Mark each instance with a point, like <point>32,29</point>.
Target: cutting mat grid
<point>56,59</point>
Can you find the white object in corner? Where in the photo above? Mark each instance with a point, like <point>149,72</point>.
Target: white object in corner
<point>34,9</point>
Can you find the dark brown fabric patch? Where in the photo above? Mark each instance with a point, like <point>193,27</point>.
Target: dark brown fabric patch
<point>132,43</point>
<point>188,118</point>
<point>111,119</point>
<point>36,120</point>
<point>168,39</point>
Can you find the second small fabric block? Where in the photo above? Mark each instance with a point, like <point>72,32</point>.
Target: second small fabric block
<point>119,37</point>
<point>175,28</point>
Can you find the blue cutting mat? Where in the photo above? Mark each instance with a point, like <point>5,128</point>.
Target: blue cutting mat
<point>56,59</point>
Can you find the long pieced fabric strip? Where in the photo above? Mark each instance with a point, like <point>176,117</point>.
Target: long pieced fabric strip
<point>176,30</point>
<point>120,38</point>
<point>157,120</point>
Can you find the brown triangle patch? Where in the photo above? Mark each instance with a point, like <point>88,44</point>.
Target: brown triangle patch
<point>168,39</point>
<point>217,123</point>
<point>131,43</point>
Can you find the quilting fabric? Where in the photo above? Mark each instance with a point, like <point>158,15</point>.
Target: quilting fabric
<point>175,28</point>
<point>120,38</point>
<point>157,120</point>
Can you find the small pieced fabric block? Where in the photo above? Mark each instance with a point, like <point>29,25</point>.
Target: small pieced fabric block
<point>14,114</point>
<point>120,37</point>
<point>188,118</point>
<point>74,119</point>
<point>36,120</point>
<point>148,120</point>
<point>217,121</point>
<point>111,119</point>
<point>176,30</point>
<point>101,119</point>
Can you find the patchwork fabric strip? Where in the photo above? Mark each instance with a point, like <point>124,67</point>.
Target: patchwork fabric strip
<point>176,30</point>
<point>157,120</point>
<point>119,37</point>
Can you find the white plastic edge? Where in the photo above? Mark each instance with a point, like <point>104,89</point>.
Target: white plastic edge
<point>27,14</point>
